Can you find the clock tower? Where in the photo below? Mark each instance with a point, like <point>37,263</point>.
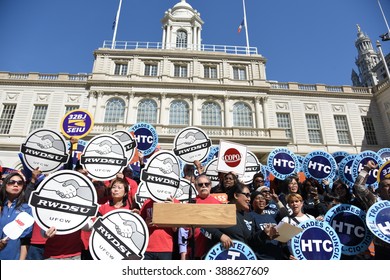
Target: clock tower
<point>182,27</point>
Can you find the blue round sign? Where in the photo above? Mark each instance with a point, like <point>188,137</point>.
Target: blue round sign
<point>349,223</point>
<point>239,251</point>
<point>339,156</point>
<point>319,165</point>
<point>359,162</point>
<point>146,137</point>
<point>384,171</point>
<point>282,163</point>
<point>317,241</point>
<point>378,220</point>
<point>345,170</point>
<point>384,154</point>
<point>300,160</point>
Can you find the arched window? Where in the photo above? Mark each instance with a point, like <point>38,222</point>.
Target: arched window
<point>242,115</point>
<point>211,114</point>
<point>181,39</point>
<point>179,112</point>
<point>115,111</point>
<point>147,111</point>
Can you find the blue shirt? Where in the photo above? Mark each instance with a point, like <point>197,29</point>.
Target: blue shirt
<point>12,250</point>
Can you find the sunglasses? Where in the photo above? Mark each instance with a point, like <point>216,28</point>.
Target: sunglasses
<point>248,195</point>
<point>13,182</point>
<point>203,184</point>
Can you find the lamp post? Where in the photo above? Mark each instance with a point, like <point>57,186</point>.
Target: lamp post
<point>378,45</point>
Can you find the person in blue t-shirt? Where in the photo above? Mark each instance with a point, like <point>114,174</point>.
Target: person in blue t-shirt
<point>13,202</point>
<point>264,221</point>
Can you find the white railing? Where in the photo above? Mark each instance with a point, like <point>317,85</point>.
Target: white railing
<point>319,88</point>
<point>130,45</point>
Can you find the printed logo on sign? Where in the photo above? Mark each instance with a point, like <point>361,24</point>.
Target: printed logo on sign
<point>378,220</point>
<point>146,137</point>
<point>161,175</point>
<point>192,144</point>
<point>183,192</point>
<point>317,241</point>
<point>142,194</point>
<point>45,149</point>
<point>128,143</point>
<point>384,153</point>
<point>211,172</point>
<point>384,171</point>
<point>345,170</point>
<point>359,162</point>
<point>252,167</point>
<point>339,156</point>
<point>77,123</point>
<point>119,235</point>
<point>319,165</point>
<point>66,199</point>
<point>282,163</point>
<point>104,157</point>
<point>238,251</point>
<point>232,157</point>
<point>213,154</point>
<point>349,223</point>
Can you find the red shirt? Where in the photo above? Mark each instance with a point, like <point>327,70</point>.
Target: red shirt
<point>202,243</point>
<point>63,246</point>
<point>160,239</point>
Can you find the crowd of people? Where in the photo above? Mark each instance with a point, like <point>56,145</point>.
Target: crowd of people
<point>260,207</point>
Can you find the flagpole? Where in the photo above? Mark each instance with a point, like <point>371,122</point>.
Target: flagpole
<point>378,45</point>
<point>246,28</point>
<point>383,14</point>
<point>116,24</point>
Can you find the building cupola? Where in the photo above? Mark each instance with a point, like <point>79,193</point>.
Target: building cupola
<point>182,27</point>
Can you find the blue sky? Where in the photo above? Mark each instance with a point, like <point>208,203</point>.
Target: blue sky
<point>305,41</point>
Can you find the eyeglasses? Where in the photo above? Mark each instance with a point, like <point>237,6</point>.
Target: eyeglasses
<point>259,181</point>
<point>203,184</point>
<point>13,182</point>
<point>265,192</point>
<point>248,195</point>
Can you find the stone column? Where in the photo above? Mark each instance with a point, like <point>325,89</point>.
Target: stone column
<point>228,121</point>
<point>164,119</point>
<point>196,117</point>
<point>258,113</point>
<point>265,111</point>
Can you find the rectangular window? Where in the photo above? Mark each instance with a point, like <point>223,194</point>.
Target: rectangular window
<point>284,122</point>
<point>150,70</point>
<point>6,118</point>
<point>369,131</point>
<point>239,73</point>
<point>69,108</point>
<point>342,129</point>
<point>210,72</point>
<point>120,69</point>
<point>38,118</point>
<point>180,71</point>
<point>314,129</point>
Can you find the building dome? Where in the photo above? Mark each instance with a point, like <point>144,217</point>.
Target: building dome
<point>183,9</point>
<point>182,5</point>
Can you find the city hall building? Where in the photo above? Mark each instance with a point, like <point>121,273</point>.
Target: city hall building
<point>223,90</point>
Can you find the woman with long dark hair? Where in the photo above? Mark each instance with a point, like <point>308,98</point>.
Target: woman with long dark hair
<point>13,202</point>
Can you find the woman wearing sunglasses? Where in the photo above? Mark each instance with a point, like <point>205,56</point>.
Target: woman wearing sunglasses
<point>13,202</point>
<point>245,229</point>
